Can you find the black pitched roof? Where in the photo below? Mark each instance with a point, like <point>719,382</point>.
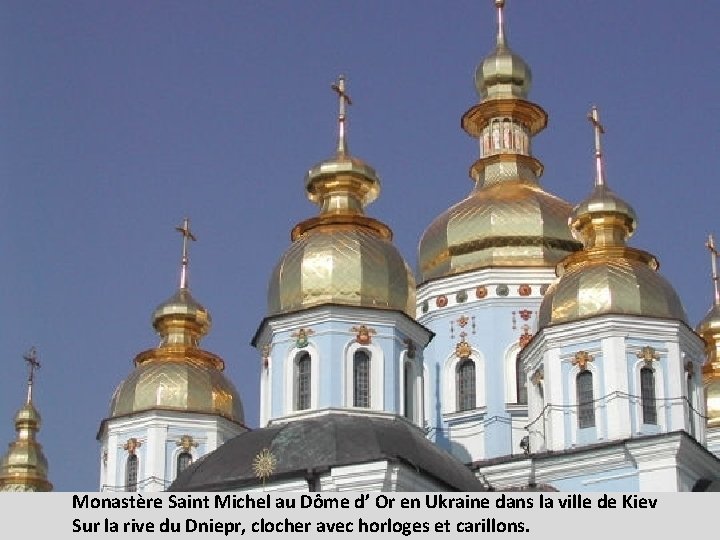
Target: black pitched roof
<point>307,446</point>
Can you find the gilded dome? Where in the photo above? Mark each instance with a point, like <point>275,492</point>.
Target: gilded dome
<point>709,330</point>
<point>592,284</point>
<point>24,467</point>
<point>607,276</point>
<point>502,73</point>
<point>710,323</point>
<point>508,223</point>
<point>345,264</point>
<point>341,256</point>
<point>183,383</point>
<point>178,375</point>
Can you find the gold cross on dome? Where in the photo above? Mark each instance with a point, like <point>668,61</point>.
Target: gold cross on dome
<point>344,99</point>
<point>33,364</point>
<point>187,235</point>
<point>594,118</point>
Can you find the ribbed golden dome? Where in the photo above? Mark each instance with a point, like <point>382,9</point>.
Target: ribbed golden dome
<point>341,256</point>
<point>341,264</point>
<point>24,466</point>
<point>607,277</point>
<point>598,282</point>
<point>510,223</point>
<point>181,382</point>
<point>178,375</point>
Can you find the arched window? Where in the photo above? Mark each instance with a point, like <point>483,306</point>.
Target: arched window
<point>361,378</point>
<point>131,473</point>
<point>465,384</point>
<point>302,382</point>
<point>647,395</point>
<point>409,394</point>
<point>184,460</point>
<point>586,407</point>
<point>520,382</point>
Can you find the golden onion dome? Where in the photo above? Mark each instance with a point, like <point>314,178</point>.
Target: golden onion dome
<point>600,282</point>
<point>508,220</point>
<point>607,276</point>
<point>502,73</point>
<point>510,223</point>
<point>178,375</point>
<point>181,382</point>
<point>341,256</point>
<point>24,466</point>
<point>709,330</point>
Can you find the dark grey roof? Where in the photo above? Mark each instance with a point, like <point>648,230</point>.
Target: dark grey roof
<point>307,446</point>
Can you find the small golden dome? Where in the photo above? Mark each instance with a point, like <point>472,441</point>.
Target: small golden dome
<point>710,323</point>
<point>602,213</point>
<point>502,74</point>
<point>24,466</point>
<point>598,282</point>
<point>342,263</point>
<point>173,381</point>
<point>178,375</point>
<point>341,256</point>
<point>509,223</point>
<point>607,276</point>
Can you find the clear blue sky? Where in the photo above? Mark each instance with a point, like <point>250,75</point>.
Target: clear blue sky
<point>119,118</point>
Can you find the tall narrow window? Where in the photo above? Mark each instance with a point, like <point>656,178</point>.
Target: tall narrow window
<point>465,382</point>
<point>520,382</point>
<point>302,382</point>
<point>184,460</point>
<point>361,379</point>
<point>586,407</point>
<point>647,395</point>
<point>131,473</point>
<point>409,394</point>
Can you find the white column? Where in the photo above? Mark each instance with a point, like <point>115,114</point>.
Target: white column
<point>615,372</point>
<point>555,425</point>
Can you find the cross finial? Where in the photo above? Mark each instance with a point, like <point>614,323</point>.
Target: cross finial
<point>710,244</point>
<point>187,235</point>
<point>594,118</point>
<point>500,4</point>
<point>344,99</point>
<point>33,364</point>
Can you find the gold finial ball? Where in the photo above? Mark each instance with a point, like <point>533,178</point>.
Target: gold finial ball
<point>500,3</point>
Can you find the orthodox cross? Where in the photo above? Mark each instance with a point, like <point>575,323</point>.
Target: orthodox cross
<point>344,99</point>
<point>594,118</point>
<point>710,244</point>
<point>33,364</point>
<point>187,235</point>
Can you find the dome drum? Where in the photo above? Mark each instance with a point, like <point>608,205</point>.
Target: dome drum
<point>500,167</point>
<point>477,118</point>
